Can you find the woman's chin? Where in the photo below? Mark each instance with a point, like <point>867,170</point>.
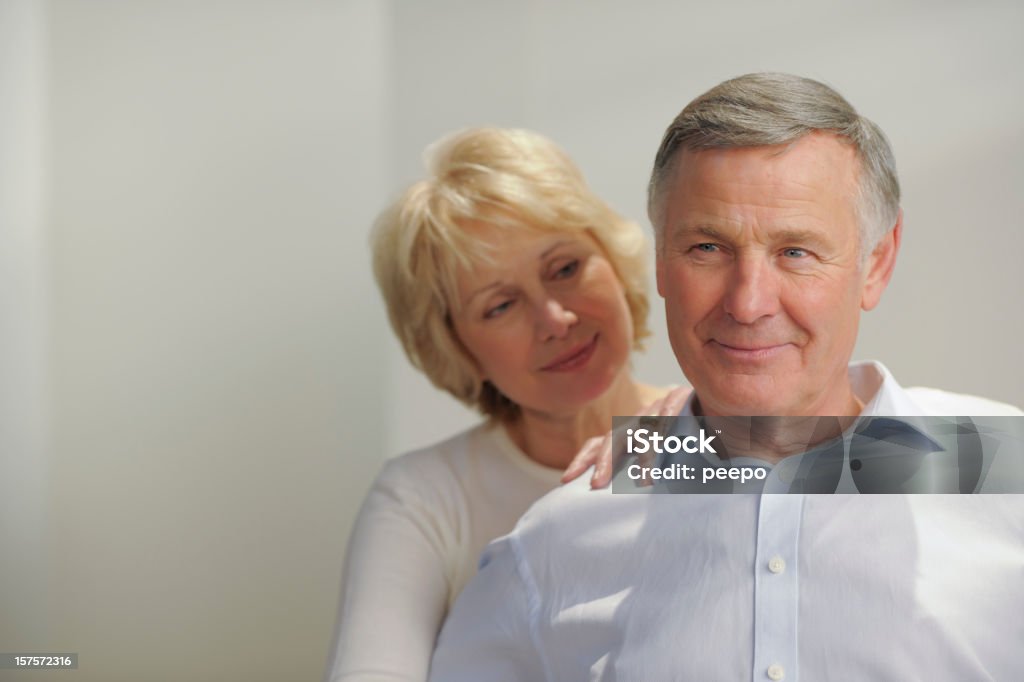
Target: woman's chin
<point>576,396</point>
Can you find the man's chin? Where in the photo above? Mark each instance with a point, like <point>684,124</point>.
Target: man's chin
<point>744,397</point>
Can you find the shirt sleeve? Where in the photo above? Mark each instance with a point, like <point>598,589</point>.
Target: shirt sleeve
<point>395,586</point>
<point>489,634</point>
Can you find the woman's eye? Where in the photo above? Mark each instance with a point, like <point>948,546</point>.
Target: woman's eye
<point>794,252</point>
<point>567,270</point>
<point>497,310</point>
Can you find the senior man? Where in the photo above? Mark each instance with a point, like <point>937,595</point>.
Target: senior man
<point>776,210</point>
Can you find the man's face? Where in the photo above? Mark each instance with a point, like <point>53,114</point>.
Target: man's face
<point>759,268</point>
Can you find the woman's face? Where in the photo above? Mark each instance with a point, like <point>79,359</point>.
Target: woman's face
<point>547,323</point>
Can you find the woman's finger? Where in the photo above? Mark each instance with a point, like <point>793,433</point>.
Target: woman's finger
<point>587,455</point>
<point>597,451</point>
<point>603,467</point>
<point>672,403</point>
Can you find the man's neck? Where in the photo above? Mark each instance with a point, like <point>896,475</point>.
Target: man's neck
<point>773,438</point>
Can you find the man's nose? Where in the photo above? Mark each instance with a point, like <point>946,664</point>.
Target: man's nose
<point>554,320</point>
<point>752,290</point>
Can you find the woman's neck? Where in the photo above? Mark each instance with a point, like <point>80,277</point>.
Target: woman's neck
<point>554,439</point>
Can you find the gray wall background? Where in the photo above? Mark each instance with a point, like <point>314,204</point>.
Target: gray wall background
<point>197,383</point>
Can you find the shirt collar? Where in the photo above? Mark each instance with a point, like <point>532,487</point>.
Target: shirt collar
<point>883,398</point>
<point>873,384</point>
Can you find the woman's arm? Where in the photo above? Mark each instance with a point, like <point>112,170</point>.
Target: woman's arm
<point>395,588</point>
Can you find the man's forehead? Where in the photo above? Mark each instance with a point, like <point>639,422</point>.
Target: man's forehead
<point>817,154</point>
<point>793,185</point>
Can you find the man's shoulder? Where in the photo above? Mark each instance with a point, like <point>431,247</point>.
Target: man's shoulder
<point>570,498</point>
<point>944,403</point>
<point>574,517</point>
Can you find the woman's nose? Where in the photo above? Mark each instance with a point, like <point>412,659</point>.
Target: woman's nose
<point>554,320</point>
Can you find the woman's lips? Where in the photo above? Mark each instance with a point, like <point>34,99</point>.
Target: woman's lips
<point>574,359</point>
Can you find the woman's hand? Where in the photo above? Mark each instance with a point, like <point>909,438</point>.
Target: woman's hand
<point>597,451</point>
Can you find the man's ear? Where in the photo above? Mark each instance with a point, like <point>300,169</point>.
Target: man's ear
<point>659,272</point>
<point>880,265</point>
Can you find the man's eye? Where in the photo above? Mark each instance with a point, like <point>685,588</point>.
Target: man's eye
<point>794,252</point>
<point>497,310</point>
<point>707,248</point>
<point>567,270</point>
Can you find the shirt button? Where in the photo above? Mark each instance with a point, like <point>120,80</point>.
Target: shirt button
<point>776,565</point>
<point>776,672</point>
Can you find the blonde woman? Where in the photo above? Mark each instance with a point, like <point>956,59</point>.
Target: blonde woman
<point>519,292</point>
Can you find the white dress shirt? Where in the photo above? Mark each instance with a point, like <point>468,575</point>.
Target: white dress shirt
<point>596,586</point>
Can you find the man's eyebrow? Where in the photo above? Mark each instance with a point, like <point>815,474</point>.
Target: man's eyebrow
<point>794,236</point>
<point>701,229</point>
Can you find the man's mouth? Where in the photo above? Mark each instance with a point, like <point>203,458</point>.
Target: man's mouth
<point>574,358</point>
<point>751,352</point>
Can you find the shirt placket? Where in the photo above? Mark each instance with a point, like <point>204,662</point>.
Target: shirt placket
<point>776,588</point>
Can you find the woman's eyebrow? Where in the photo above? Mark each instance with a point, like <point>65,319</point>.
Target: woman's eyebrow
<point>551,248</point>
<point>499,283</point>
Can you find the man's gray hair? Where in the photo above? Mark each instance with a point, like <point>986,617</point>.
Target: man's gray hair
<point>761,109</point>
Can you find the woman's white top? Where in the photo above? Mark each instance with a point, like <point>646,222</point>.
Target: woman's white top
<point>415,545</point>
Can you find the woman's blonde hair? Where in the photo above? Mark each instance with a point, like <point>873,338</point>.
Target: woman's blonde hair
<point>511,179</point>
